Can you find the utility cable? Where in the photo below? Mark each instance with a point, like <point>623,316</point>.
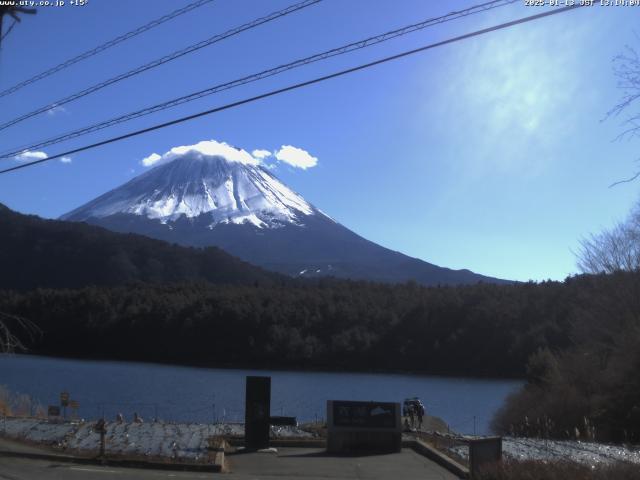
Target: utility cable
<point>261,75</point>
<point>161,61</point>
<point>6,34</point>
<point>104,46</point>
<point>300,85</point>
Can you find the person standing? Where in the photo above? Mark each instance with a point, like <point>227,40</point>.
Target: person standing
<point>412,416</point>
<point>420,413</point>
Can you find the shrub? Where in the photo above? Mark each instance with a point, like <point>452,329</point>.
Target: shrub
<point>19,404</point>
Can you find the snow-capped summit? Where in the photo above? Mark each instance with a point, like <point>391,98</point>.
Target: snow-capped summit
<point>196,184</point>
<point>213,194</point>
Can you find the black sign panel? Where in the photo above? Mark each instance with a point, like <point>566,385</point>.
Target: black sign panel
<point>364,414</point>
<point>53,411</point>
<point>284,421</point>
<point>257,412</point>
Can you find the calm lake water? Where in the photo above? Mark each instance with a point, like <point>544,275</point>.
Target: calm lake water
<point>201,394</point>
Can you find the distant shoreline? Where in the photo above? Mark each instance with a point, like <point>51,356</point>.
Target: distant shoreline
<point>310,369</point>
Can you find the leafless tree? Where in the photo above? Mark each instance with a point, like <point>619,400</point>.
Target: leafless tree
<point>9,339</point>
<point>626,68</point>
<point>616,252</point>
<point>613,250</point>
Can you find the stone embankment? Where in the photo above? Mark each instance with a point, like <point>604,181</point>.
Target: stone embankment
<point>186,442</point>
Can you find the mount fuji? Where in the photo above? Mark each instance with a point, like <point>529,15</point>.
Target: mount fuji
<point>228,199</point>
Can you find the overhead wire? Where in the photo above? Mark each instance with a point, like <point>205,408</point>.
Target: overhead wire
<point>301,85</point>
<point>6,34</point>
<point>162,60</point>
<point>374,40</point>
<point>104,46</point>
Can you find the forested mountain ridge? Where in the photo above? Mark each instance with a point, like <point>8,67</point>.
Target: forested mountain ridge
<point>35,252</point>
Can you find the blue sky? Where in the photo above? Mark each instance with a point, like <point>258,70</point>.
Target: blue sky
<point>488,154</point>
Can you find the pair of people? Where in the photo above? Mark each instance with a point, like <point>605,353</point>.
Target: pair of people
<point>415,412</point>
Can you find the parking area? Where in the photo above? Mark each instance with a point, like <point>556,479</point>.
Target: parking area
<point>311,464</point>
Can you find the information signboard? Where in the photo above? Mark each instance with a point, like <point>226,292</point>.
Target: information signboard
<point>363,426</point>
<point>364,414</point>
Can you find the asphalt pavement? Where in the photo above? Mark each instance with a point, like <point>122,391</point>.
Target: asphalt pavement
<point>290,463</point>
<point>316,464</point>
<point>12,468</point>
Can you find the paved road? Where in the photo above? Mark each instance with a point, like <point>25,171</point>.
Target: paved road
<point>303,464</point>
<point>25,469</point>
<point>315,464</point>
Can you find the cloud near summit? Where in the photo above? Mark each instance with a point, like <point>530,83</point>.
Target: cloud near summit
<point>293,156</point>
<point>28,156</point>
<point>296,157</point>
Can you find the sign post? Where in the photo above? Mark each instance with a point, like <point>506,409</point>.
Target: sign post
<point>75,405</point>
<point>101,428</point>
<point>257,412</point>
<point>64,403</point>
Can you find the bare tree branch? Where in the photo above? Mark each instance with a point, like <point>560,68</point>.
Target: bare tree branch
<point>10,341</point>
<point>613,250</point>
<point>626,69</point>
<point>627,180</point>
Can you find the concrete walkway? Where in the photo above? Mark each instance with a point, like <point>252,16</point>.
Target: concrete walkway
<point>316,464</point>
<point>289,463</point>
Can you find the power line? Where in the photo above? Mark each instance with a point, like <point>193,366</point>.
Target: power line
<point>264,74</point>
<point>105,46</point>
<point>5,35</point>
<point>300,85</point>
<point>167,58</point>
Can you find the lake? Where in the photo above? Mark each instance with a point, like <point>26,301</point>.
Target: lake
<point>203,394</point>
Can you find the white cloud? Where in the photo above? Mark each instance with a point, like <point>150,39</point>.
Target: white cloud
<point>151,159</point>
<point>56,109</point>
<point>212,148</point>
<point>28,156</point>
<point>206,148</point>
<point>261,154</point>
<point>65,159</point>
<point>296,157</point>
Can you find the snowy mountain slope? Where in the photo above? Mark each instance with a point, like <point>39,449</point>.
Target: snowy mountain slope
<point>210,200</point>
<point>228,192</point>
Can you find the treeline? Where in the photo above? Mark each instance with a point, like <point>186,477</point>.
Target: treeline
<point>577,342</point>
<point>480,330</point>
<point>48,253</point>
<point>590,389</point>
